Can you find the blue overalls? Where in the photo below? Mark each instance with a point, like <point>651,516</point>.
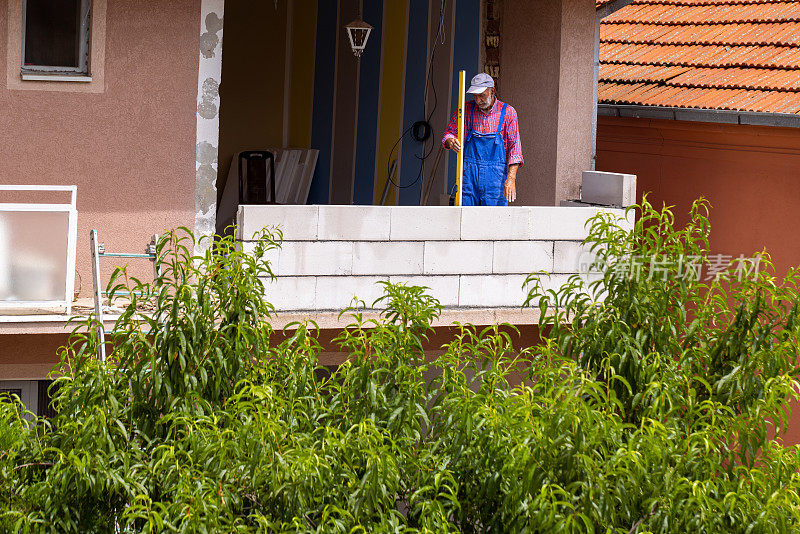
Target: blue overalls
<point>485,167</point>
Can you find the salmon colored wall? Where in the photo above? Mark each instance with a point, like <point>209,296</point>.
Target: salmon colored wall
<point>131,148</point>
<point>748,173</point>
<point>29,356</point>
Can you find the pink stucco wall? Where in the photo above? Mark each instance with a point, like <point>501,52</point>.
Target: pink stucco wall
<point>547,75</point>
<point>747,173</point>
<point>130,149</point>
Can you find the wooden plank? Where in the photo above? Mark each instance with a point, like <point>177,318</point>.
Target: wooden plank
<point>307,174</point>
<point>280,170</point>
<point>298,176</point>
<point>295,174</point>
<point>286,185</point>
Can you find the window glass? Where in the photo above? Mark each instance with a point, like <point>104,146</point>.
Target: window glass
<point>46,405</point>
<point>53,33</point>
<point>7,393</point>
<point>36,269</point>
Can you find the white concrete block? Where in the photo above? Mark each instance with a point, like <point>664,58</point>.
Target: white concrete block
<point>565,223</point>
<point>442,288</point>
<point>496,223</point>
<point>608,188</point>
<point>272,255</point>
<point>488,291</point>
<point>597,292</point>
<point>354,223</point>
<point>522,257</point>
<point>548,282</point>
<point>555,282</point>
<point>292,292</point>
<point>571,257</point>
<point>626,220</point>
<point>458,257</point>
<point>383,258</point>
<point>337,292</point>
<point>426,223</point>
<point>298,223</point>
<point>308,258</point>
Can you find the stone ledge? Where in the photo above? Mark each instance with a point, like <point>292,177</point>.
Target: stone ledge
<point>449,317</point>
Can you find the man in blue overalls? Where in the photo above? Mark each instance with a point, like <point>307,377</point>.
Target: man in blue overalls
<point>492,149</point>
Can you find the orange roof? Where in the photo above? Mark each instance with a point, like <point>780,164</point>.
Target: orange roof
<point>739,55</point>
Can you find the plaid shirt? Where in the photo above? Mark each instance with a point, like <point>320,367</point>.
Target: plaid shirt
<point>487,123</point>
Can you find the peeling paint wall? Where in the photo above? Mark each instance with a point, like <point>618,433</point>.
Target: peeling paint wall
<point>208,80</point>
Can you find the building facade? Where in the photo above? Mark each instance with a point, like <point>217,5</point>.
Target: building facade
<point>142,104</point>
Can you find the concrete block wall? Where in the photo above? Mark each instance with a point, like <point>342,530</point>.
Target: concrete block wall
<point>470,257</point>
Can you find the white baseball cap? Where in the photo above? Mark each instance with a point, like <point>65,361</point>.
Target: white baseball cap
<point>480,83</point>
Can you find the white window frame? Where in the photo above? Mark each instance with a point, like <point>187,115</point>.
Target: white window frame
<point>83,46</point>
<point>72,237</point>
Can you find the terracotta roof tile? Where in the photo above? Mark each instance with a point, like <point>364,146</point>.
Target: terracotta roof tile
<point>714,54</point>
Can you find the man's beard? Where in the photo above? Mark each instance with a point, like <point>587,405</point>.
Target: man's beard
<point>487,105</point>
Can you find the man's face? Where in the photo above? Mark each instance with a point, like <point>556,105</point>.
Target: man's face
<point>485,99</point>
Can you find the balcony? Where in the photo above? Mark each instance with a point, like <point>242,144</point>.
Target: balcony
<point>474,259</point>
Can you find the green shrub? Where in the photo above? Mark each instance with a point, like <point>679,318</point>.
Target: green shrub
<point>650,407</point>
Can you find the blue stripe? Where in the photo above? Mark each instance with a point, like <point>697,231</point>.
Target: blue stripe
<point>414,99</point>
<point>465,57</point>
<point>322,118</point>
<point>368,111</point>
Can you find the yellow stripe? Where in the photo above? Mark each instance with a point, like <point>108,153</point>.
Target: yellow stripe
<point>390,126</point>
<point>304,33</point>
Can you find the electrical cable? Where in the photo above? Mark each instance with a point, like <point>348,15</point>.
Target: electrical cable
<point>429,80</point>
<point>421,131</point>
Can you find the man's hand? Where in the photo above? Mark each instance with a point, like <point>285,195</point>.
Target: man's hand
<point>510,187</point>
<point>452,144</point>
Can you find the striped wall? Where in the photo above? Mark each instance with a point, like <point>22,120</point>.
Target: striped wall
<point>355,111</point>
<point>465,57</point>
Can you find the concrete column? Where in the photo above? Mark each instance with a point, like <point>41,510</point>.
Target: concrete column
<point>547,58</point>
<point>208,80</point>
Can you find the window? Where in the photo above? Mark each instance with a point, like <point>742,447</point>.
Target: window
<point>55,37</point>
<point>34,394</point>
<point>7,394</point>
<point>46,405</point>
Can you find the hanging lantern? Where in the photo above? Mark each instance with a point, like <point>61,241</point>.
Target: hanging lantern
<point>358,32</point>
